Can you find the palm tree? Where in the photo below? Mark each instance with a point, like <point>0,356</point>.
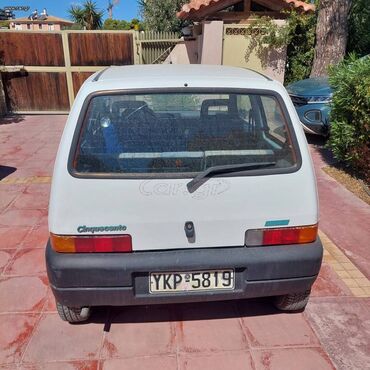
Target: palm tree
<point>87,16</point>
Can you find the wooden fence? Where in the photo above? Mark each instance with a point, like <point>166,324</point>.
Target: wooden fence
<point>43,71</point>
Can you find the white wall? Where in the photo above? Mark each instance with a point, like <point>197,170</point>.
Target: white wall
<point>212,42</point>
<point>186,52</point>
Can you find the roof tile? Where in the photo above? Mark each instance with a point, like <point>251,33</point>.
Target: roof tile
<point>49,18</point>
<point>193,6</point>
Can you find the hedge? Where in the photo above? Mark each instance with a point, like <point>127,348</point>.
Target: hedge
<point>350,114</point>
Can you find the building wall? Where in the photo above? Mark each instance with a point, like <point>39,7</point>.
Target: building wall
<point>229,45</point>
<point>185,52</point>
<point>212,42</point>
<point>240,50</point>
<point>205,48</point>
<point>36,26</point>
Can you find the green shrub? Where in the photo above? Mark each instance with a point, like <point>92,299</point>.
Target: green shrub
<point>4,24</point>
<point>298,36</point>
<point>359,27</point>
<point>160,15</point>
<point>301,48</point>
<point>115,24</point>
<point>350,114</point>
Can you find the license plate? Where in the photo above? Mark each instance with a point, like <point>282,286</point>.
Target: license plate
<point>174,282</point>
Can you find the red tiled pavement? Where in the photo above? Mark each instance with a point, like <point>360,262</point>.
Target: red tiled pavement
<point>37,236</point>
<point>236,360</point>
<point>249,334</point>
<point>223,323</point>
<point>6,197</point>
<point>53,340</point>
<point>292,358</point>
<point>11,237</point>
<point>328,284</point>
<point>343,217</point>
<point>344,329</point>
<point>16,331</point>
<point>279,330</point>
<point>27,262</point>
<point>5,257</point>
<point>151,338</point>
<point>140,363</point>
<point>31,201</point>
<point>22,294</point>
<point>61,365</point>
<point>24,217</point>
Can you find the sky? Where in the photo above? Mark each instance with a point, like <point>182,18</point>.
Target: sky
<point>125,9</point>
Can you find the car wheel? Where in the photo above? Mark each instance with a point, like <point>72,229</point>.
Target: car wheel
<point>73,314</point>
<point>293,301</point>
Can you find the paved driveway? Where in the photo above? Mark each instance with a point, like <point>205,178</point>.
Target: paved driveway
<point>333,332</point>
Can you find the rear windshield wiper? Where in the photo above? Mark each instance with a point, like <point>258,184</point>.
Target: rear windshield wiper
<point>201,178</point>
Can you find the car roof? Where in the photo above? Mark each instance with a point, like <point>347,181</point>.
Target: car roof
<point>174,75</point>
<point>178,71</point>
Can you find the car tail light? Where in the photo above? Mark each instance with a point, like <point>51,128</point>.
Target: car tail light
<point>279,236</point>
<point>91,244</point>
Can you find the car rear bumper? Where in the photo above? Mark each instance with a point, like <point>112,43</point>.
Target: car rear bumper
<point>123,279</point>
<point>321,127</point>
<point>316,129</point>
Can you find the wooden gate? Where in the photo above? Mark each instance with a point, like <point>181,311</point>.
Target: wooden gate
<point>43,71</point>
<point>154,47</point>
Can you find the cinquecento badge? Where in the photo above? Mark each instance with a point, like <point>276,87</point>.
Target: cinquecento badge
<point>100,229</point>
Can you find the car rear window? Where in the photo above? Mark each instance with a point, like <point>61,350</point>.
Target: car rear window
<point>160,134</point>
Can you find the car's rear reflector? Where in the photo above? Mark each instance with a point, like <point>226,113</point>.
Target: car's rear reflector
<point>91,244</point>
<point>281,236</point>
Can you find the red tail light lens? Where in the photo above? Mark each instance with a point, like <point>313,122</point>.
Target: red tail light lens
<point>281,236</point>
<point>289,236</point>
<point>91,244</point>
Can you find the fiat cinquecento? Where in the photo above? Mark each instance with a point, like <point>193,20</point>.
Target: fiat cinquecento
<point>181,184</point>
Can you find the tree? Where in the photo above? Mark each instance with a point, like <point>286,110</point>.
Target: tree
<point>331,35</point>
<point>136,24</point>
<point>115,24</point>
<point>87,16</point>
<point>359,28</point>
<point>160,15</point>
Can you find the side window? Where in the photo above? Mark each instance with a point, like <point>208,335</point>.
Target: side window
<point>244,106</point>
<point>274,118</point>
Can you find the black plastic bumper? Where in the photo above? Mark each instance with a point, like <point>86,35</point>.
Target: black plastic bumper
<point>123,279</point>
<point>316,128</point>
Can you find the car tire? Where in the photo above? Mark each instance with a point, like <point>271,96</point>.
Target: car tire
<point>73,314</point>
<point>293,301</point>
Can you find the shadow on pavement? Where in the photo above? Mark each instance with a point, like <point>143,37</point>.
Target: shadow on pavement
<point>319,143</point>
<point>6,171</point>
<point>11,118</point>
<point>316,140</point>
<point>182,312</point>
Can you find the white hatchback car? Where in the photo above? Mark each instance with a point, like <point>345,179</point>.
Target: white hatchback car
<point>181,184</point>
